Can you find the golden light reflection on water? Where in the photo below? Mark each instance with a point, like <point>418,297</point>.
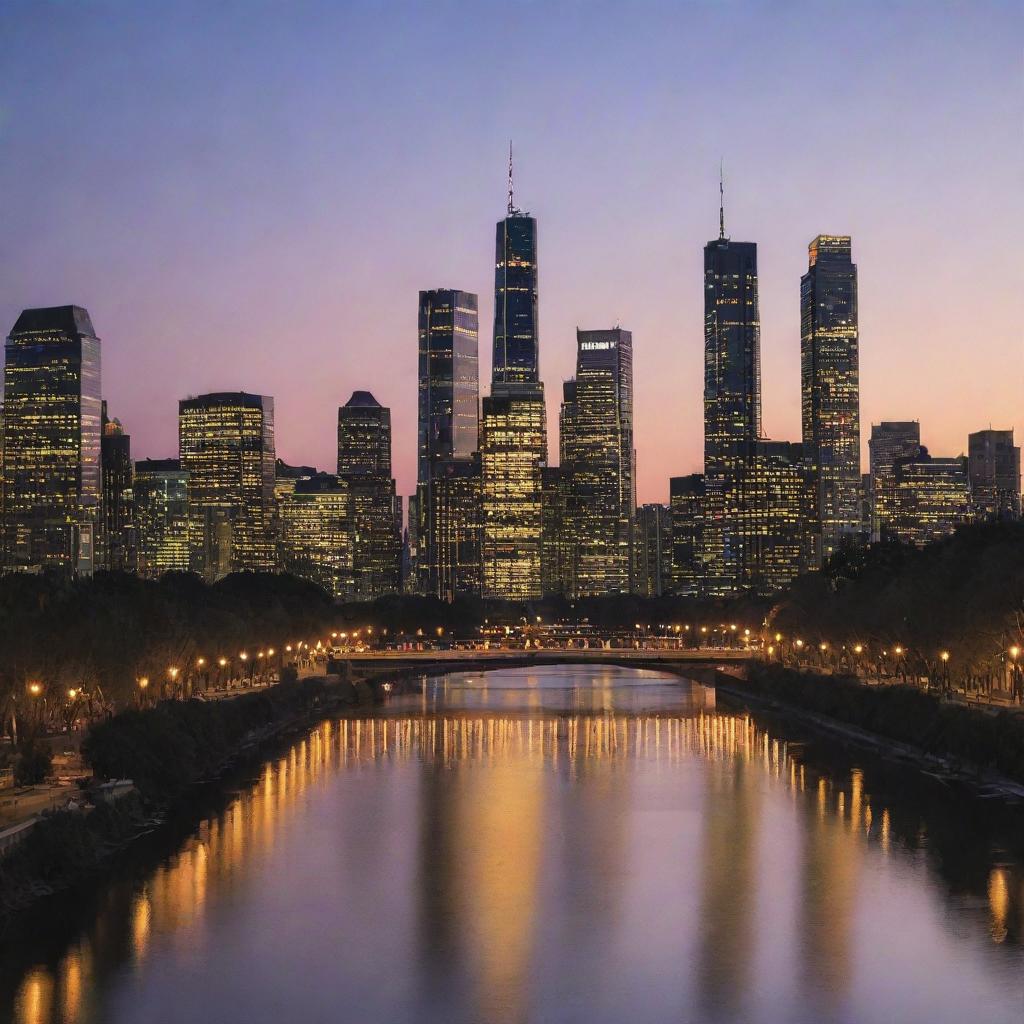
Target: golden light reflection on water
<point>499,879</point>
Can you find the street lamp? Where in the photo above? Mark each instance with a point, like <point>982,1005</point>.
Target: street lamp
<point>944,656</point>
<point>35,689</point>
<point>143,682</point>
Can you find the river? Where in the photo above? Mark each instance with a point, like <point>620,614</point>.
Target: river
<point>564,844</point>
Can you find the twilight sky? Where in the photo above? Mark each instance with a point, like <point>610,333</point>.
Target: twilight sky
<point>248,196</point>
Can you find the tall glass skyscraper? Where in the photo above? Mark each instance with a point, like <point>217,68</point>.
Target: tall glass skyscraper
<point>600,458</point>
<point>226,445</point>
<point>160,492</point>
<point>51,458</point>
<point>449,410</point>
<point>830,391</point>
<point>115,546</point>
<point>513,441</point>
<point>732,407</point>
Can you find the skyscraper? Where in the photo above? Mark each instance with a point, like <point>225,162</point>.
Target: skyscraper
<point>115,548</point>
<point>316,538</point>
<point>364,464</point>
<point>226,445</point>
<point>51,458</point>
<point>994,467</point>
<point>732,405</point>
<point>513,441</point>
<point>449,400</point>
<point>162,529</point>
<point>686,509</point>
<point>599,456</point>
<point>830,391</point>
<point>889,441</point>
<point>653,551</point>
<point>932,497</point>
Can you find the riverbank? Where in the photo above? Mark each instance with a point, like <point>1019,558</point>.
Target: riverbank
<point>166,751</point>
<point>960,745</point>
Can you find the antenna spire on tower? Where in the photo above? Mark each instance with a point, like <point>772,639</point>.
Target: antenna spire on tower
<point>721,199</point>
<point>511,189</point>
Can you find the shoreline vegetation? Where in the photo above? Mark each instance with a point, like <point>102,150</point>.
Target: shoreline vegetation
<point>167,750</point>
<point>979,747</point>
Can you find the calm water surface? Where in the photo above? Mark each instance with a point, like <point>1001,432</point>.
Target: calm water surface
<point>553,845</point>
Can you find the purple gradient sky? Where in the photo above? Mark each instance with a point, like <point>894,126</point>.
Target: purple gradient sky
<point>250,196</point>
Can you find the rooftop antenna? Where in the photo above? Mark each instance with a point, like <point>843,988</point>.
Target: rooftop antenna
<point>721,199</point>
<point>511,189</point>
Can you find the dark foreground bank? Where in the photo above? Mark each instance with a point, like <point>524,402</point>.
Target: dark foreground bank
<point>970,740</point>
<point>166,750</point>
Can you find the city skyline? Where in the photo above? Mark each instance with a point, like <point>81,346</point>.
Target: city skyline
<point>174,324</point>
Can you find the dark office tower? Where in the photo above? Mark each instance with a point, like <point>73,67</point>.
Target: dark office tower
<point>449,399</point>
<point>889,441</point>
<point>364,436</point>
<point>364,463</point>
<point>557,550</point>
<point>599,450</point>
<point>830,391</point>
<point>513,434</point>
<point>226,445</point>
<point>732,406</point>
<point>52,440</point>
<point>162,529</point>
<point>653,572</point>
<point>454,529</point>
<point>994,465</point>
<point>686,509</point>
<point>115,547</point>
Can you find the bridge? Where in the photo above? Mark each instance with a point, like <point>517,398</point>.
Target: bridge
<point>378,665</point>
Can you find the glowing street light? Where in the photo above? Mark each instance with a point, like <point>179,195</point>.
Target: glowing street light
<point>173,673</point>
<point>244,656</point>
<point>899,651</point>
<point>35,689</point>
<point>72,693</point>
<point>143,682</point>
<point>944,656</point>
<point>858,649</point>
<point>1014,652</point>
<point>823,647</point>
<point>222,662</point>
<point>799,643</point>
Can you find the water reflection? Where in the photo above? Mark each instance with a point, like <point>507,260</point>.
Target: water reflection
<point>532,849</point>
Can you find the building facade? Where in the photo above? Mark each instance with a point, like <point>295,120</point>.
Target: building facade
<point>653,551</point>
<point>732,408</point>
<point>226,445</point>
<point>598,453</point>
<point>686,512</point>
<point>162,525</point>
<point>994,469</point>
<point>115,541</point>
<point>890,440</point>
<point>830,391</point>
<point>51,453</point>
<point>364,464</point>
<point>449,401</point>
<point>513,429</point>
<point>316,539</point>
<point>933,497</point>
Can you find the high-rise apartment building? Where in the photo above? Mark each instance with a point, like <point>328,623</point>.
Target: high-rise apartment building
<point>226,445</point>
<point>732,407</point>
<point>162,526</point>
<point>830,391</point>
<point>513,434</point>
<point>933,497</point>
<point>364,464</point>
<point>115,544</point>
<point>51,454</point>
<point>994,468</point>
<point>558,559</point>
<point>686,511</point>
<point>316,538</point>
<point>890,440</point>
<point>599,457</point>
<point>449,399</point>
